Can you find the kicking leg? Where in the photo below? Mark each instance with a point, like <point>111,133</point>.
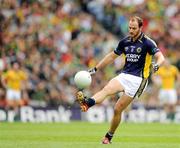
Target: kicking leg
<point>112,87</point>
<point>121,104</point>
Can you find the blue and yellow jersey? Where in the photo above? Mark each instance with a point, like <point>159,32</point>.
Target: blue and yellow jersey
<point>138,55</point>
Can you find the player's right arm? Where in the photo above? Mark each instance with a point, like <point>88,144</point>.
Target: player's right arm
<point>109,58</point>
<point>4,79</point>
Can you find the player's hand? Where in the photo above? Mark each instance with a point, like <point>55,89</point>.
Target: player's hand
<point>155,67</point>
<point>92,71</point>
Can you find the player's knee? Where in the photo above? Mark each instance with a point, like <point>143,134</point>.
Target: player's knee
<point>119,108</point>
<point>108,90</point>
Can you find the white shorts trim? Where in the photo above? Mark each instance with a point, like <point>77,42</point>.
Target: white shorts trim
<point>13,94</point>
<point>167,96</point>
<point>133,85</point>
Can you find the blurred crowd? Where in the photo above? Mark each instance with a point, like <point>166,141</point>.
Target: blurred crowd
<point>53,39</point>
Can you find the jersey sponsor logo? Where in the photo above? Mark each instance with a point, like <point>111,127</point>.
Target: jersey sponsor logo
<point>133,57</point>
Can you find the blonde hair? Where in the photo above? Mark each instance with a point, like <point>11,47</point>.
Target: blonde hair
<point>138,19</point>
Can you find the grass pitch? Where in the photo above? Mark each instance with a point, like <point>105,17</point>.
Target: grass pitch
<point>88,135</point>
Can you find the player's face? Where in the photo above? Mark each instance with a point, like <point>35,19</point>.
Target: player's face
<point>134,29</point>
<point>15,66</point>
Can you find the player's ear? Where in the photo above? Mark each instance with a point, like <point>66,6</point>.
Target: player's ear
<point>140,28</point>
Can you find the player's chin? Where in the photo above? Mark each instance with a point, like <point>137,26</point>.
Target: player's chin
<point>131,35</point>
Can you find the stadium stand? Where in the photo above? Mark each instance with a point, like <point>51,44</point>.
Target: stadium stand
<point>54,39</point>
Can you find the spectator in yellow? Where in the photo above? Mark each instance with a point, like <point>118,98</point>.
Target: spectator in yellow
<point>168,75</point>
<point>13,80</point>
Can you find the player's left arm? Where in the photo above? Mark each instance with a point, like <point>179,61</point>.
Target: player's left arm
<point>159,58</point>
<point>155,51</point>
<point>177,75</point>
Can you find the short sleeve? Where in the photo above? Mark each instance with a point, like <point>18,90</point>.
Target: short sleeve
<point>176,71</point>
<point>152,47</point>
<point>5,75</point>
<point>119,49</point>
<point>23,75</point>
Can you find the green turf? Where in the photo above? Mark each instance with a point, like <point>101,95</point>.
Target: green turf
<point>88,135</point>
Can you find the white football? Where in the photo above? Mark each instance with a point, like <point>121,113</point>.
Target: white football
<point>82,79</point>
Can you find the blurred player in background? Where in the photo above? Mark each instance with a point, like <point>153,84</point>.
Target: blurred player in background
<point>14,80</point>
<point>168,75</point>
<point>138,50</point>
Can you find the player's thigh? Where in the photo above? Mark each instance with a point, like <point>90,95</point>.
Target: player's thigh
<point>113,87</point>
<point>172,97</point>
<point>13,96</point>
<point>163,97</point>
<point>9,95</point>
<point>122,103</point>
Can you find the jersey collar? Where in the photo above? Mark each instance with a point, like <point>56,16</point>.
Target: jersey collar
<point>141,37</point>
